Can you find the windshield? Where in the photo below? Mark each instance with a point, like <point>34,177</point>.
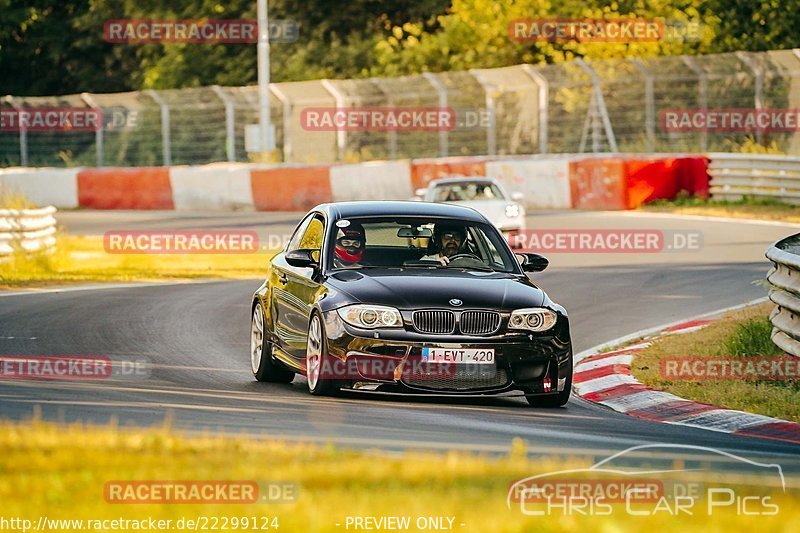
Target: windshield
<point>466,191</point>
<point>407,242</point>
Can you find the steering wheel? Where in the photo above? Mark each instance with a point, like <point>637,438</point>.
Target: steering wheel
<point>464,255</point>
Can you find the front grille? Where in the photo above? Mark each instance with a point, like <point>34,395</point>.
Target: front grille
<point>437,322</point>
<point>479,322</point>
<point>461,381</point>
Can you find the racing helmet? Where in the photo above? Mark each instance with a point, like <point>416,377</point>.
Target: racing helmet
<point>350,243</point>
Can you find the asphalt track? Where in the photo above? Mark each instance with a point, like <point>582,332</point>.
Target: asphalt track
<point>195,336</point>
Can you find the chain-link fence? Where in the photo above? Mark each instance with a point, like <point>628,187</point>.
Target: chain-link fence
<point>574,107</point>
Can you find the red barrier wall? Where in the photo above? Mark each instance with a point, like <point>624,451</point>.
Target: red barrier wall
<point>617,183</point>
<point>125,188</point>
<point>423,171</point>
<point>663,179</point>
<point>290,189</point>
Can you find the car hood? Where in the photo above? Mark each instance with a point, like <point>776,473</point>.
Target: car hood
<point>435,288</point>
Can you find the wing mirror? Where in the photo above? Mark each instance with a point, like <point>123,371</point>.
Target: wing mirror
<point>517,196</point>
<point>532,262</point>
<point>302,258</point>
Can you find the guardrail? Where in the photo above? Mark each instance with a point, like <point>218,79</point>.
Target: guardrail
<point>30,230</point>
<point>766,176</point>
<point>784,279</point>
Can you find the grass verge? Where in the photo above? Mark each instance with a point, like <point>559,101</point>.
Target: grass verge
<point>749,208</point>
<point>83,259</point>
<point>739,334</point>
<point>60,472</point>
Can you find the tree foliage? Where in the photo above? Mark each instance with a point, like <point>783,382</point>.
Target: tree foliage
<point>57,46</point>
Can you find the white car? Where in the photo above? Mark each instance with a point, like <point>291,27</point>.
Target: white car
<point>485,195</point>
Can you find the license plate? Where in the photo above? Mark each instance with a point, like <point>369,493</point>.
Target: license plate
<point>484,356</point>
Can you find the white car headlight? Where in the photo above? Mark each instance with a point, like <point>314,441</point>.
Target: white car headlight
<point>533,319</point>
<point>512,210</point>
<point>371,316</point>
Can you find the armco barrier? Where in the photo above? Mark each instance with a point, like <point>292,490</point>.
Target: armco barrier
<point>764,176</point>
<point>29,230</point>
<point>557,181</point>
<point>784,279</point>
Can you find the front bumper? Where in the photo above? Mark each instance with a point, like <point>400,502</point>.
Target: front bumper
<point>391,360</point>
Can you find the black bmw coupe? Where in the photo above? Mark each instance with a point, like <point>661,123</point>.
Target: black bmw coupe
<point>409,297</point>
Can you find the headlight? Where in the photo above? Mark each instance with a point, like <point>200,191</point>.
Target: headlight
<point>371,316</point>
<point>534,319</point>
<point>512,210</point>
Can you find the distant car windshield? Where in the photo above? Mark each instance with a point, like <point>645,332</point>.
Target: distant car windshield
<point>414,242</point>
<point>466,192</point>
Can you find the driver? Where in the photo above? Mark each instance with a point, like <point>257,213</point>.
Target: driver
<point>448,240</point>
<point>349,249</point>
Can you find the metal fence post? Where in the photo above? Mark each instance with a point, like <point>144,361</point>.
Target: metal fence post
<point>166,145</point>
<point>702,79</point>
<point>287,121</point>
<point>544,93</point>
<point>649,102</point>
<point>392,138</point>
<point>341,133</point>
<point>23,135</point>
<point>491,127</point>
<point>600,103</point>
<point>230,124</point>
<point>444,140</point>
<point>98,134</point>
<point>758,81</point>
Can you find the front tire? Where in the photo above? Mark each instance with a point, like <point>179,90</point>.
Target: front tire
<point>262,363</point>
<point>317,359</point>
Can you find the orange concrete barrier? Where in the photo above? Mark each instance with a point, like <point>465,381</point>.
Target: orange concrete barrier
<point>598,184</point>
<point>290,189</point>
<point>423,171</point>
<point>125,188</point>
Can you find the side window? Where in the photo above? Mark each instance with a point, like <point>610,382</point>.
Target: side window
<point>491,249</point>
<point>312,237</point>
<point>299,233</point>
